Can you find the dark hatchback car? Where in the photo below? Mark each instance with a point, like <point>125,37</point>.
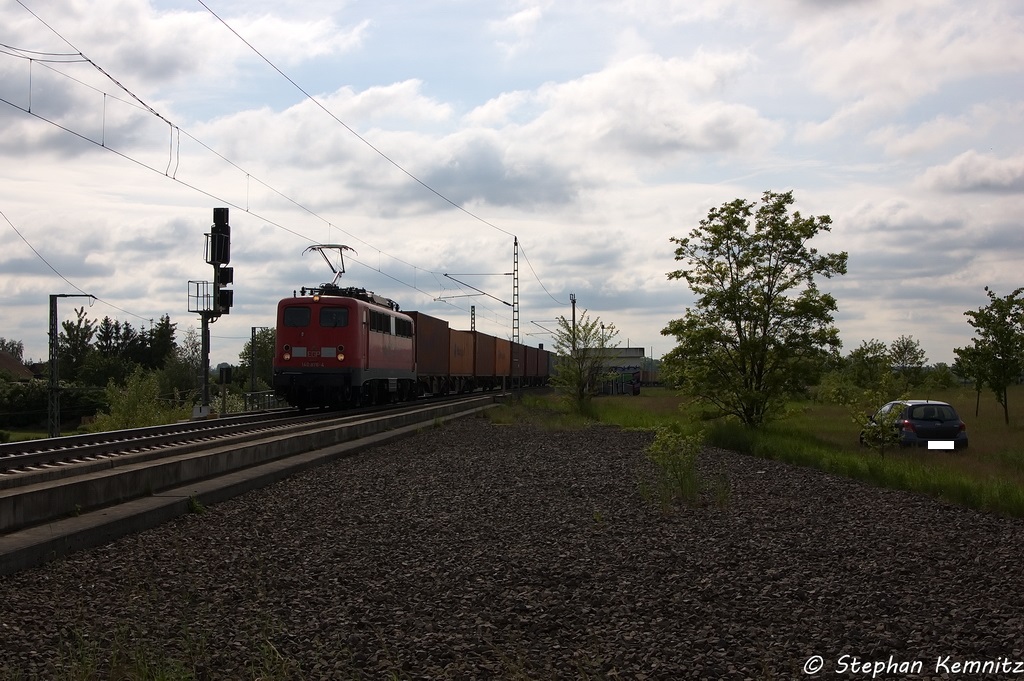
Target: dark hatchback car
<point>924,423</point>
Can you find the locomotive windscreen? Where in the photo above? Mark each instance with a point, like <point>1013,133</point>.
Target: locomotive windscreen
<point>296,316</point>
<point>333,316</point>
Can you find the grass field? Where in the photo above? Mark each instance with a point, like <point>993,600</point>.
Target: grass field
<point>989,475</point>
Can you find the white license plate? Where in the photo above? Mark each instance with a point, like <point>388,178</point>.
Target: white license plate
<point>940,444</point>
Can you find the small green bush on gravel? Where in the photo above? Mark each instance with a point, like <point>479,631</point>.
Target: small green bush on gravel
<point>674,457</point>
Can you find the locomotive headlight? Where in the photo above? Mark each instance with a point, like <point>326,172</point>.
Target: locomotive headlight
<point>341,353</point>
<point>287,354</point>
<point>316,298</point>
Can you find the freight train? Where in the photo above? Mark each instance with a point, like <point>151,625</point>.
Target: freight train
<point>340,347</point>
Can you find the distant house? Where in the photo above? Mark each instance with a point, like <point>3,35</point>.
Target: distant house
<point>10,365</point>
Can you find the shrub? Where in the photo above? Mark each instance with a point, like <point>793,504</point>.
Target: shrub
<point>674,456</point>
<point>137,404</point>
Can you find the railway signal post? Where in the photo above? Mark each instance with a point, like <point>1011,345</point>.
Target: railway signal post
<point>211,299</point>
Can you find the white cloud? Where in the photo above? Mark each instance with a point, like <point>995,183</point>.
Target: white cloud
<point>974,172</point>
<point>650,109</point>
<point>516,29</point>
<point>500,110</point>
<point>292,42</point>
<point>897,140</point>
<point>878,58</point>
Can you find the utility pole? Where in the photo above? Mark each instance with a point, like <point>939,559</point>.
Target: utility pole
<point>53,403</point>
<point>515,290</point>
<point>572,299</point>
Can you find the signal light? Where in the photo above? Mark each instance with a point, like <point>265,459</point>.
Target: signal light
<point>225,298</point>
<point>220,238</point>
<point>220,216</point>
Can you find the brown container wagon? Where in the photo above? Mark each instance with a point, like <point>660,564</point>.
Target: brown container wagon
<point>546,365</point>
<point>518,360</point>
<point>460,360</point>
<point>432,352</point>
<point>483,360</point>
<point>502,360</point>
<point>532,357</point>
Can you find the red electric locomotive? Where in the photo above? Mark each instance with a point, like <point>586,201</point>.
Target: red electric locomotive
<point>341,347</point>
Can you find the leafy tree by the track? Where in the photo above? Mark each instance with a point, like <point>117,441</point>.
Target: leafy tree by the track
<point>181,376</point>
<point>998,351</point>
<point>264,355</point>
<point>75,343</point>
<point>136,404</point>
<point>761,327</point>
<point>162,344</point>
<point>580,357</point>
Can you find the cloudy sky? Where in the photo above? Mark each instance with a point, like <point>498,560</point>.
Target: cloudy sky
<point>428,135</point>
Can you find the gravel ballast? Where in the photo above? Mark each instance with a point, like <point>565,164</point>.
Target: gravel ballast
<point>478,550</point>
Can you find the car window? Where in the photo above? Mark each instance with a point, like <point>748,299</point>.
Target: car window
<point>933,412</point>
<point>296,316</point>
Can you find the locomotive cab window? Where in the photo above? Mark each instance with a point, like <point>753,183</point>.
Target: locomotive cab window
<point>333,316</point>
<point>296,316</point>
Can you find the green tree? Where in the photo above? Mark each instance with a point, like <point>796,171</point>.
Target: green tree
<point>908,359</point>
<point>107,333</point>
<point>181,375</point>
<point>136,404</point>
<point>100,368</point>
<point>75,343</point>
<point>161,343</point>
<point>999,343</point>
<point>580,356</point>
<point>761,327</point>
<point>13,347</point>
<point>968,366</point>
<point>131,345</point>
<point>23,403</point>
<point>939,377</point>
<point>878,431</point>
<point>869,363</point>
<point>264,347</point>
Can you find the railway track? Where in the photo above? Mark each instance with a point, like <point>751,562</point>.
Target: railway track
<point>69,493</point>
<point>30,456</point>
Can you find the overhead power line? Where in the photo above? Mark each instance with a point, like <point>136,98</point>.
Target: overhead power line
<point>66,280</point>
<point>78,56</point>
<point>176,131</point>
<point>370,144</point>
